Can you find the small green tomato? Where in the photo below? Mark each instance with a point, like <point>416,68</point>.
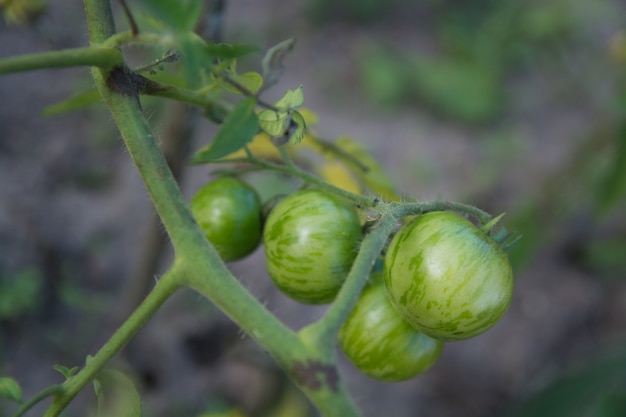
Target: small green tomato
<point>229,213</point>
<point>381,344</point>
<point>447,277</point>
<point>311,239</point>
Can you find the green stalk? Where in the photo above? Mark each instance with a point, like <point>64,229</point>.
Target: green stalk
<point>41,395</point>
<point>166,286</point>
<point>408,209</point>
<point>197,264</point>
<point>185,95</point>
<point>91,56</point>
<point>322,334</point>
<point>360,199</point>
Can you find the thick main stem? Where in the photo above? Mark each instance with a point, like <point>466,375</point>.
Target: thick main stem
<point>197,264</point>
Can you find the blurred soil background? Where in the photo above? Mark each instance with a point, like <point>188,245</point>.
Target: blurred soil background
<point>515,107</point>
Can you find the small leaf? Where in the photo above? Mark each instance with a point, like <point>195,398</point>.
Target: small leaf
<point>293,131</point>
<point>291,99</point>
<point>194,56</point>
<point>178,15</point>
<point>491,224</point>
<point>117,395</point>
<point>273,123</point>
<point>10,389</point>
<point>75,102</point>
<point>237,130</point>
<point>297,127</point>
<point>65,371</point>
<point>273,62</point>
<point>278,124</point>
<point>251,81</point>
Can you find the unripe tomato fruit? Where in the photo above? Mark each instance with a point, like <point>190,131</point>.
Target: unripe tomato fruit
<point>229,213</point>
<point>381,344</point>
<point>311,239</point>
<point>446,277</point>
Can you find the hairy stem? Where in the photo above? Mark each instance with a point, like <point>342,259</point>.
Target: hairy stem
<point>194,97</point>
<point>292,169</point>
<point>76,57</point>
<point>197,264</point>
<point>322,333</point>
<point>41,395</point>
<point>408,209</point>
<point>165,287</point>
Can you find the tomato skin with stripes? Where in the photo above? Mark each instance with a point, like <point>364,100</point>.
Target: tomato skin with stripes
<point>446,277</point>
<point>311,239</point>
<point>380,343</point>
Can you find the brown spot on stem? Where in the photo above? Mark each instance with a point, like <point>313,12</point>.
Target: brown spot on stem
<point>315,375</point>
<point>122,80</point>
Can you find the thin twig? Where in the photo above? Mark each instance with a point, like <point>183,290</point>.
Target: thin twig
<point>134,29</point>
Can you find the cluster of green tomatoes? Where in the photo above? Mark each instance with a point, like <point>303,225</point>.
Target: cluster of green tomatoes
<point>442,279</point>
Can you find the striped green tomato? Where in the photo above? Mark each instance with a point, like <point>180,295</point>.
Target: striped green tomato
<point>381,344</point>
<point>311,239</point>
<point>447,277</point>
<point>229,213</point>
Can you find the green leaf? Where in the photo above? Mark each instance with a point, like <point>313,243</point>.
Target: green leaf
<point>65,371</point>
<point>297,127</point>
<point>291,99</point>
<point>273,62</point>
<point>273,123</point>
<point>229,51</point>
<point>75,102</point>
<point>251,81</point>
<point>278,123</point>
<point>237,130</point>
<point>10,389</point>
<point>194,56</point>
<point>116,394</point>
<point>177,15</point>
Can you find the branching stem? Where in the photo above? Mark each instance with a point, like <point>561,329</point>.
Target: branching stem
<point>75,57</point>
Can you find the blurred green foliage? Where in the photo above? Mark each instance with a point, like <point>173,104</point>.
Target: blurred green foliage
<point>360,11</point>
<point>479,44</point>
<point>19,292</point>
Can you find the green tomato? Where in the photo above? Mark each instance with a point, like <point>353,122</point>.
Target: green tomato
<point>447,277</point>
<point>311,239</point>
<point>381,344</point>
<point>229,213</point>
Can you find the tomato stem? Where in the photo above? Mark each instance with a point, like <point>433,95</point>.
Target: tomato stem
<point>409,209</point>
<point>89,56</point>
<point>166,286</point>
<point>292,169</point>
<point>323,332</point>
